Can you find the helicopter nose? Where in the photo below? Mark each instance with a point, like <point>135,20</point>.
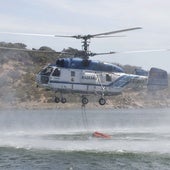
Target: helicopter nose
<point>42,80</point>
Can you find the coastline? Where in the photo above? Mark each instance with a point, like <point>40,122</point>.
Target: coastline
<point>127,100</point>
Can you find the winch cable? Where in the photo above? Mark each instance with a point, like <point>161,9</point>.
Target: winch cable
<point>100,82</point>
<point>84,116</point>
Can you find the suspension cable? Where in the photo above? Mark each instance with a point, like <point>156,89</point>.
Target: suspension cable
<point>84,116</point>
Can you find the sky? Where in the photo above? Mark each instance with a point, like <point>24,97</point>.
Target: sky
<point>73,17</point>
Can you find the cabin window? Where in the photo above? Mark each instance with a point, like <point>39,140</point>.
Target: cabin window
<point>108,77</point>
<point>73,73</point>
<point>56,72</point>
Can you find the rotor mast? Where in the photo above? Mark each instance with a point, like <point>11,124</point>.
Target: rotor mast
<point>85,45</point>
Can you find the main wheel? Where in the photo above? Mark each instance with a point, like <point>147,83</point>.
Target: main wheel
<point>85,100</point>
<point>102,101</point>
<point>57,100</point>
<point>63,100</point>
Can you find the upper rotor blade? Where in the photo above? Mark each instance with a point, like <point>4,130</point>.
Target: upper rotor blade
<point>109,36</point>
<point>67,36</point>
<point>88,36</point>
<point>114,32</point>
<point>41,35</point>
<point>28,34</point>
<point>83,36</point>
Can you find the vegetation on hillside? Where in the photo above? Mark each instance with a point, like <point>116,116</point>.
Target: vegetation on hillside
<point>18,70</point>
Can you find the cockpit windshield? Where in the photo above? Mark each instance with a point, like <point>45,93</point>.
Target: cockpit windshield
<point>47,71</point>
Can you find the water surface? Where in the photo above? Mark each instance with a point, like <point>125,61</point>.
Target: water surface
<point>62,139</point>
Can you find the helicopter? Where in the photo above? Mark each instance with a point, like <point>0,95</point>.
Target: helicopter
<point>78,73</point>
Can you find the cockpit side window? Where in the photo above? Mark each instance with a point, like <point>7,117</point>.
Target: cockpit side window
<point>56,72</point>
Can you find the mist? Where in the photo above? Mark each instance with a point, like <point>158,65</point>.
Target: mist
<point>141,130</point>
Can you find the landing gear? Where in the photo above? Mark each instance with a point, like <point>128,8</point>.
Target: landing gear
<point>60,99</point>
<point>102,101</point>
<point>63,100</point>
<point>84,100</point>
<point>57,99</point>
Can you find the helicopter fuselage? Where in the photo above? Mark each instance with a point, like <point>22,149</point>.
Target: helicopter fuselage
<point>68,76</point>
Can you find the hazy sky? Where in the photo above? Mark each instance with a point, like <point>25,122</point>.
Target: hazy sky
<point>72,17</point>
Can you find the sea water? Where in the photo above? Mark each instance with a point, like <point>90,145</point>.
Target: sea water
<point>62,139</point>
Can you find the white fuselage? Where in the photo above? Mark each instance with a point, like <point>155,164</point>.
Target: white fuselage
<point>86,81</point>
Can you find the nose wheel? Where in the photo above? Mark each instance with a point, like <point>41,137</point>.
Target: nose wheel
<point>62,100</point>
<point>57,99</point>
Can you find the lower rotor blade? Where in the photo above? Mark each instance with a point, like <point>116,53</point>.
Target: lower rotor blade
<point>93,54</point>
<point>144,51</point>
<point>29,50</point>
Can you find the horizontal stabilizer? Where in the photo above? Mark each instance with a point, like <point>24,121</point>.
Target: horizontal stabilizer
<point>157,79</point>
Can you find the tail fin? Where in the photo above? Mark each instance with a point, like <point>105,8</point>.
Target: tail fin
<point>157,79</point>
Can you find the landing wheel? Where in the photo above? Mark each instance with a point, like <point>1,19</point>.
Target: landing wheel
<point>63,100</point>
<point>102,101</point>
<point>57,99</point>
<point>84,100</point>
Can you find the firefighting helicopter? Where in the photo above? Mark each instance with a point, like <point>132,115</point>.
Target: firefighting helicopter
<point>85,76</point>
<point>80,74</point>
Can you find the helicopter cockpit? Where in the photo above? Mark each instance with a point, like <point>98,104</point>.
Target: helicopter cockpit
<point>47,72</point>
<point>43,75</point>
